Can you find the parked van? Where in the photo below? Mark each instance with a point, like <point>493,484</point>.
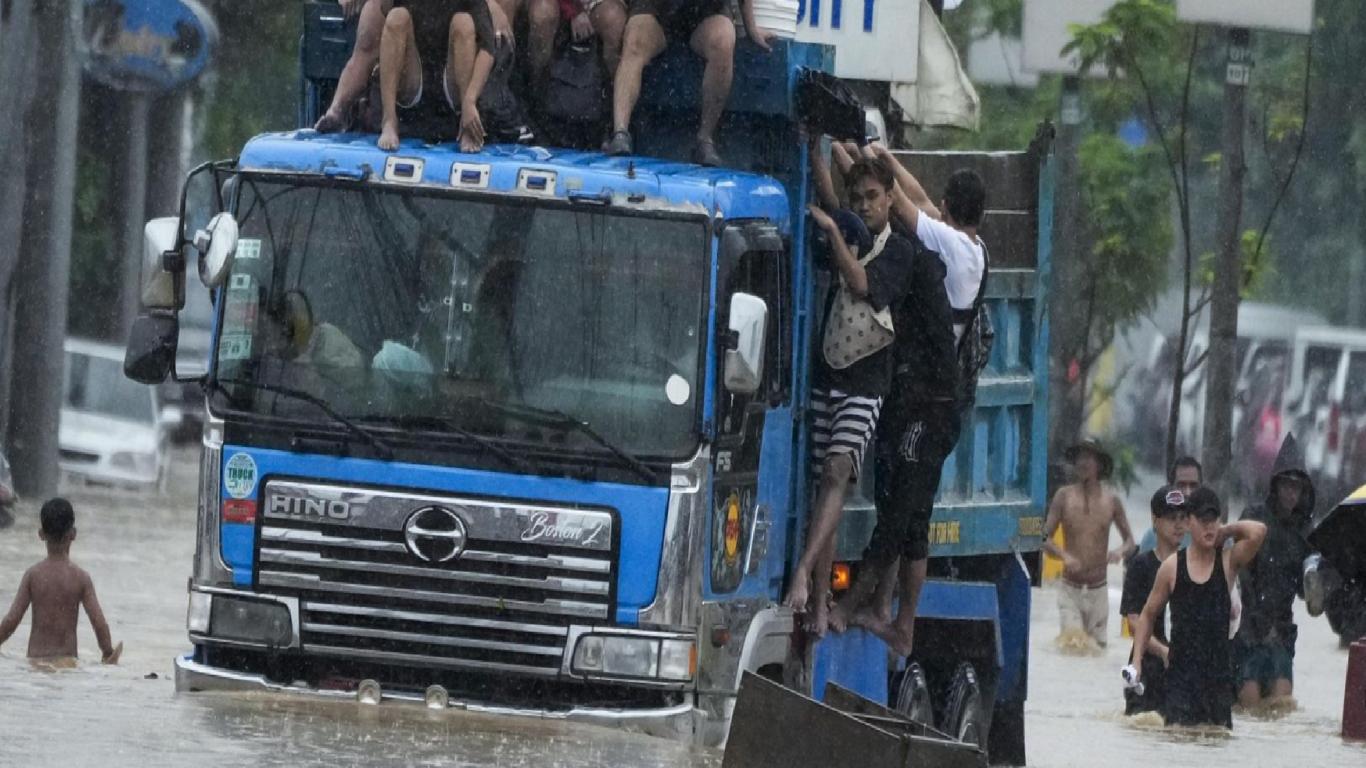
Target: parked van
<point>1325,405</point>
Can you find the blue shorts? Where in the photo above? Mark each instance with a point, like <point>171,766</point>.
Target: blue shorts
<point>1266,663</point>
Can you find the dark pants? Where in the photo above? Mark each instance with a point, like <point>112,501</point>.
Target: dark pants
<point>913,441</point>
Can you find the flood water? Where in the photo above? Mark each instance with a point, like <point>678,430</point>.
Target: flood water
<point>138,550</point>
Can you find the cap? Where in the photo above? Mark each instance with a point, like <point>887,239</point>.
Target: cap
<point>1169,500</point>
<point>1204,503</point>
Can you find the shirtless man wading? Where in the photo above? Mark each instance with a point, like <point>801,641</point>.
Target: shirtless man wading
<point>1086,509</point>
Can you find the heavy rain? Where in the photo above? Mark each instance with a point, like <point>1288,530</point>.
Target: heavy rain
<point>716,383</point>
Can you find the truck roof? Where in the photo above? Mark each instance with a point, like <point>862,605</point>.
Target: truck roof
<point>638,182</point>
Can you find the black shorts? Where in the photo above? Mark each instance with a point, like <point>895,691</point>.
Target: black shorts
<point>679,18</point>
<point>912,443</point>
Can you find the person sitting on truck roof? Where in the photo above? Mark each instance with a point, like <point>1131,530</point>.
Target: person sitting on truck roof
<point>356,75</point>
<point>846,397</point>
<point>711,34</point>
<point>585,19</point>
<point>445,54</point>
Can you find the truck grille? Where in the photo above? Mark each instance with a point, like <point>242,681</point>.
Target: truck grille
<point>501,604</point>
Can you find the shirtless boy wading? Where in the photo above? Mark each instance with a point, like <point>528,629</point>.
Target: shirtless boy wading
<point>1086,509</point>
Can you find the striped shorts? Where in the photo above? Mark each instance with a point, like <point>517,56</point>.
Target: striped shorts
<point>841,423</point>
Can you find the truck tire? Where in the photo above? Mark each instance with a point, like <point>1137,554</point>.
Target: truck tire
<point>913,695</point>
<point>1007,742</point>
<point>967,711</point>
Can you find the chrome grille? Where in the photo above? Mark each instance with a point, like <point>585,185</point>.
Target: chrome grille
<point>503,604</point>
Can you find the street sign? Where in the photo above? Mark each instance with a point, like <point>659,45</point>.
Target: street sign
<point>1045,33</point>
<point>1279,15</point>
<point>873,39</point>
<point>146,45</point>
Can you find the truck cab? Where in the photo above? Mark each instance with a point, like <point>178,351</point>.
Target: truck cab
<point>524,431</point>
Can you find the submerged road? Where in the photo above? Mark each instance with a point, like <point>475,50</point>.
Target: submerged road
<point>138,549</point>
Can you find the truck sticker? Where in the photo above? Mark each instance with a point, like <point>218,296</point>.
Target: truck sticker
<point>1030,526</point>
<point>248,248</point>
<point>235,346</point>
<point>945,532</point>
<point>239,475</point>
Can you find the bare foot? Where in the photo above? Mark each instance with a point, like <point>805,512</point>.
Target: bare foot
<point>819,620</point>
<point>900,639</point>
<point>838,619</point>
<point>869,617</point>
<point>470,144</point>
<point>113,657</point>
<point>800,593</point>
<point>388,136</point>
<point>330,122</point>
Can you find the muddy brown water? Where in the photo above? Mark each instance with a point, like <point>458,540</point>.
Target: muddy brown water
<point>138,548</point>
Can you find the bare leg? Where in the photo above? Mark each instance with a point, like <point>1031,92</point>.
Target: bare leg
<point>356,75</point>
<point>851,608</point>
<point>835,475</point>
<point>400,72</point>
<point>1250,695</point>
<point>714,40</point>
<point>511,8</point>
<point>468,67</point>
<point>643,42</point>
<point>609,22</point>
<point>900,634</point>
<point>543,19</point>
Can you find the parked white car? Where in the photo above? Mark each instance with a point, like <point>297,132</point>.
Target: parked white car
<point>113,430</point>
<point>1325,404</point>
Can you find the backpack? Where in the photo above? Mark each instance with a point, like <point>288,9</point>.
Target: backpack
<point>575,93</point>
<point>979,335</point>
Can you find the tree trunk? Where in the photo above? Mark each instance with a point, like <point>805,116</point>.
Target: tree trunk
<point>16,69</point>
<point>1066,326</point>
<point>40,320</point>
<point>1224,297</point>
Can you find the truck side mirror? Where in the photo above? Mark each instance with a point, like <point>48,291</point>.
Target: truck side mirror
<point>163,288</point>
<point>150,355</point>
<point>744,370</point>
<point>217,245</point>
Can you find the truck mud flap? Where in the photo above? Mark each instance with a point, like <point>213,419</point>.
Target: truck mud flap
<point>776,727</point>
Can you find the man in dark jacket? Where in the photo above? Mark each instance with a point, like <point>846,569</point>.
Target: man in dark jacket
<point>1265,645</point>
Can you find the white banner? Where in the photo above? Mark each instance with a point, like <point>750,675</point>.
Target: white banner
<point>1280,15</point>
<point>873,39</point>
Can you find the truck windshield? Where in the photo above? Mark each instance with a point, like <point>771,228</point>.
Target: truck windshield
<point>400,308</point>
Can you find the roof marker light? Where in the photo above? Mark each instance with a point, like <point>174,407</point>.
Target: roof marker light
<point>539,182</point>
<point>470,175</point>
<point>405,170</point>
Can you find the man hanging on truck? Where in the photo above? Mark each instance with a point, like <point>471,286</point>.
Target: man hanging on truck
<point>1086,510</point>
<point>850,379</point>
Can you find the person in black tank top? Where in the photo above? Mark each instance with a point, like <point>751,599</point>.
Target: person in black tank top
<point>1197,582</point>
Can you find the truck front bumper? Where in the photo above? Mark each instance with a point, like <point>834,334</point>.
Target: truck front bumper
<point>680,722</point>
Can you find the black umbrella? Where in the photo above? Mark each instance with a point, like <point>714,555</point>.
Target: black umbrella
<point>1339,534</point>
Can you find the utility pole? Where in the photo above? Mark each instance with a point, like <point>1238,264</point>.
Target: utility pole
<point>1065,321</point>
<point>45,261</point>
<point>1228,271</point>
<point>134,204</point>
<point>16,67</point>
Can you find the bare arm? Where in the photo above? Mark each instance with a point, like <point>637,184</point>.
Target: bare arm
<point>22,598</point>
<point>915,193</point>
<point>1247,539</point>
<point>820,176</point>
<point>1155,647</point>
<point>1127,547</point>
<point>855,276</point>
<point>1157,601</point>
<point>1050,524</point>
<point>97,620</point>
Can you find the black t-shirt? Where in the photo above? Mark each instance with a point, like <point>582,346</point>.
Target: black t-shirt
<point>925,353</point>
<point>1139,576</point>
<point>432,27</point>
<point>888,284</point>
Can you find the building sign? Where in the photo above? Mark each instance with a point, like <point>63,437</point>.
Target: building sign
<point>1283,15</point>
<point>146,45</point>
<point>873,39</point>
<point>1046,32</point>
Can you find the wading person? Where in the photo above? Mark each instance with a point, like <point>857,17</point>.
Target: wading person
<point>1264,647</point>
<point>57,589</point>
<point>919,428</point>
<point>1196,582</point>
<point>1169,510</point>
<point>852,374</point>
<point>707,27</point>
<point>1086,510</point>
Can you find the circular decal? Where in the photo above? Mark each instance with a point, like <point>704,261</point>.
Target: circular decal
<point>677,389</point>
<point>239,475</point>
<point>731,540</point>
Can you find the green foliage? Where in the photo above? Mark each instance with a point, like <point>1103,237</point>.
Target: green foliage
<point>255,76</point>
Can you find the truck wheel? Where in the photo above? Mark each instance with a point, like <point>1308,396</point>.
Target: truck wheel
<point>966,716</point>
<point>913,696</point>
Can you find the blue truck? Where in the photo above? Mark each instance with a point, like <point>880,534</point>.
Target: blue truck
<point>524,431</point>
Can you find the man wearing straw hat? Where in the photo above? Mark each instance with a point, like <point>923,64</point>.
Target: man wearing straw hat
<point>1086,510</point>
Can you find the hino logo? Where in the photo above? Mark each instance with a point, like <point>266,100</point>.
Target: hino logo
<point>294,506</point>
<point>435,534</point>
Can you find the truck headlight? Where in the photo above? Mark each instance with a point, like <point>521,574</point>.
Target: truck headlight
<point>135,461</point>
<point>197,617</point>
<point>652,658</point>
<point>250,621</point>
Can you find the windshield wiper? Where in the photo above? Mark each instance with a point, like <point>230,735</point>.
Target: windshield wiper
<point>382,448</point>
<point>413,421</point>
<point>557,418</point>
